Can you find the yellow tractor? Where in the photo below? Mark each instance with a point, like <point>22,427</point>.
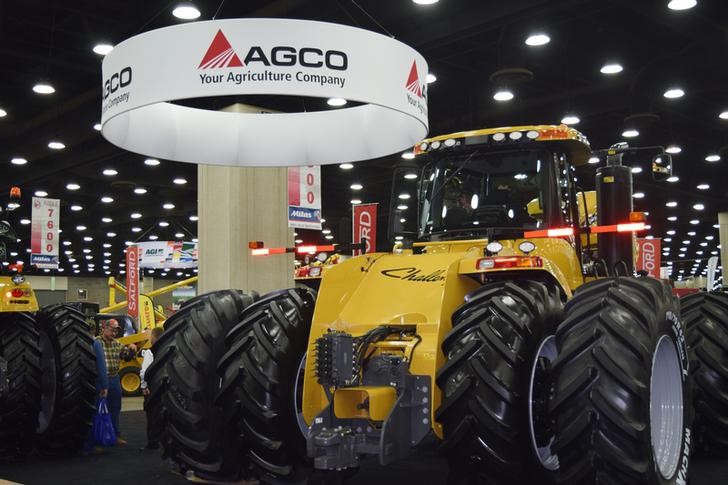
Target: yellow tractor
<point>507,325</point>
<point>47,368</point>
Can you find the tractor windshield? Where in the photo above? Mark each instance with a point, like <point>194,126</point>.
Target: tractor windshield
<point>477,190</point>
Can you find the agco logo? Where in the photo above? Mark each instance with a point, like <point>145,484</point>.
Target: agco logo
<point>413,86</point>
<point>221,54</point>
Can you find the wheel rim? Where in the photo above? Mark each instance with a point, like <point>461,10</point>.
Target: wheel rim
<point>130,382</point>
<point>48,382</point>
<point>298,397</point>
<point>538,392</point>
<point>666,407</point>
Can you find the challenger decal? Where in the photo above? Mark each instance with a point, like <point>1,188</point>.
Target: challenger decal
<point>414,274</point>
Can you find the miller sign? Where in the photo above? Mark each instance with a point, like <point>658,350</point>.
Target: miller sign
<point>365,226</point>
<point>648,256</point>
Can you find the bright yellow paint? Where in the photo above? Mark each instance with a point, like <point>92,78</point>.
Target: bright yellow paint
<point>8,303</point>
<point>349,401</point>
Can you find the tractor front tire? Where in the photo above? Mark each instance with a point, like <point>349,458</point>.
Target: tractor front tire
<point>131,383</point>
<point>69,380</point>
<point>622,388</point>
<point>183,382</point>
<point>488,402</point>
<point>20,391</point>
<point>259,373</point>
<point>706,318</point>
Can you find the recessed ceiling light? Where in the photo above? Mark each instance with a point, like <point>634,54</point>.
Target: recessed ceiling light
<point>107,199</point>
<point>673,179</point>
<point>671,232</point>
<point>673,149</point>
<point>570,120</point>
<point>671,203</point>
<point>136,229</point>
<point>698,207</point>
<point>140,190</point>
<point>153,237</point>
<point>195,218</point>
<point>41,193</point>
<point>356,186</point>
<point>152,162</point>
<point>44,88</point>
<point>88,238</point>
<point>106,219</point>
<point>67,243</point>
<point>180,181</point>
<point>346,166</point>
<point>186,11</point>
<point>56,145</point>
<point>110,172</point>
<point>503,95</point>
<point>630,133</point>
<point>103,49</point>
<point>410,176</point>
<point>694,222</point>
<point>713,157</point>
<point>163,223</point>
<point>81,228</point>
<point>25,222</point>
<point>179,235</point>
<point>593,160</point>
<point>408,155</point>
<point>668,239</point>
<point>535,40</point>
<point>431,78</point>
<point>639,195</point>
<point>76,208</point>
<point>97,127</point>
<point>18,161</point>
<point>703,187</point>
<point>135,215</point>
<point>611,68</point>
<point>674,93</point>
<point>723,115</point>
<point>681,4</point>
<point>672,218</point>
<point>425,2</point>
<point>355,201</point>
<point>168,205</point>
<point>73,186</point>
<point>404,196</point>
<point>636,169</point>
<point>110,234</point>
<point>3,113</point>
<point>336,102</point>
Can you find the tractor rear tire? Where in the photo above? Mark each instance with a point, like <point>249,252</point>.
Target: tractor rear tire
<point>259,373</point>
<point>486,383</point>
<point>131,383</point>
<point>68,390</point>
<point>706,318</point>
<point>19,402</point>
<point>183,382</point>
<point>622,397</point>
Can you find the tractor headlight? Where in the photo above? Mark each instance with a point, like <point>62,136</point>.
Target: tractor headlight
<point>526,247</point>
<point>18,279</point>
<point>315,271</point>
<point>494,247</point>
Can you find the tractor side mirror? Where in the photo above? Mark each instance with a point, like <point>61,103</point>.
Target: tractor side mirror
<point>662,167</point>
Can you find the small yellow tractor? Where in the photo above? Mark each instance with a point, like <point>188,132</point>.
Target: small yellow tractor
<point>507,325</point>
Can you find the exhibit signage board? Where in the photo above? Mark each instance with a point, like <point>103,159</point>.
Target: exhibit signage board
<point>648,256</point>
<point>167,254</point>
<point>304,197</point>
<point>44,233</point>
<point>132,281</point>
<point>383,78</point>
<point>364,222</point>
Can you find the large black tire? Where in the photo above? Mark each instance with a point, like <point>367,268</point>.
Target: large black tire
<point>706,318</point>
<point>183,383</point>
<point>69,380</point>
<point>258,376</point>
<point>604,388</point>
<point>20,403</point>
<point>486,381</point>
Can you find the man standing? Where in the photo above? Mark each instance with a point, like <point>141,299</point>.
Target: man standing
<point>152,441</point>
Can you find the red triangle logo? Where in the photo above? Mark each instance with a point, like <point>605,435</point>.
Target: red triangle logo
<point>413,81</point>
<point>220,54</point>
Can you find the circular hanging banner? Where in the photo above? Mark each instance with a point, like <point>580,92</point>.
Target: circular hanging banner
<point>144,76</point>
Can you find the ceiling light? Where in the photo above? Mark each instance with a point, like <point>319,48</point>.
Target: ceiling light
<point>76,208</point>
<point>326,231</point>
<point>694,222</point>
<point>67,243</point>
<point>110,172</point>
<point>431,78</point>
<point>408,155</point>
<point>56,145</point>
<point>674,149</point>
<point>672,218</point>
<point>336,102</point>
<point>186,11</point>
<point>25,222</point>
<point>630,133</point>
<point>329,237</point>
<point>674,93</point>
<point>153,237</point>
<point>673,179</point>
<point>195,218</point>
<point>535,40</point>
<point>97,127</point>
<point>41,193</point>
<point>703,187</point>
<point>713,157</point>
<point>103,49</point>
<point>180,181</point>
<point>636,169</point>
<point>168,206</point>
<point>107,200</point>
<point>179,235</point>
<point>410,176</point>
<point>425,2</point>
<point>639,195</point>
<point>709,238</point>
<point>163,223</point>
<point>671,203</point>
<point>88,238</point>
<point>152,162</point>
<point>18,161</point>
<point>570,120</point>
<point>681,4</point>
<point>611,68</point>
<point>404,196</point>
<point>106,219</point>
<point>110,234</point>
<point>698,207</point>
<point>140,190</point>
<point>503,95</point>
<point>3,113</point>
<point>135,215</point>
<point>298,241</point>
<point>356,186</point>
<point>44,88</point>
<point>593,160</point>
<point>136,229</point>
<point>81,228</point>
<point>346,166</point>
<point>723,115</point>
<point>355,201</point>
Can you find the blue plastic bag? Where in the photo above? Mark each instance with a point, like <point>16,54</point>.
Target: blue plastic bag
<point>103,429</point>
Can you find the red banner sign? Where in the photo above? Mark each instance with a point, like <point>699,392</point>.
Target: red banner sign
<point>364,225</point>
<point>132,281</point>
<point>648,256</point>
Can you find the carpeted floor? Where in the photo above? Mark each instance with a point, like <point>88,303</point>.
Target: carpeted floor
<point>130,466</point>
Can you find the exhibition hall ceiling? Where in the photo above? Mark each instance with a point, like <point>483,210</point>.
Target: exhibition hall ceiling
<point>611,68</point>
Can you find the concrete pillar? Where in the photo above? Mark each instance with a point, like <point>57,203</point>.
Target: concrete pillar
<point>237,205</point>
<point>723,236</point>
